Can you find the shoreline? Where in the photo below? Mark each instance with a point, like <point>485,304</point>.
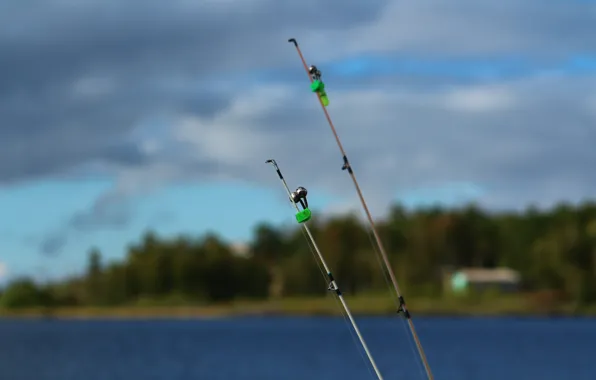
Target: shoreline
<point>84,315</point>
<point>361,305</point>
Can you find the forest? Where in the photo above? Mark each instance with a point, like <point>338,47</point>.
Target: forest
<point>554,250</point>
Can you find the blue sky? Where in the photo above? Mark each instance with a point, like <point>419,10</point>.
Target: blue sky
<point>133,125</point>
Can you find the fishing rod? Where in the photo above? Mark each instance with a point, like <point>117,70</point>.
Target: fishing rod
<point>318,87</point>
<point>302,216</point>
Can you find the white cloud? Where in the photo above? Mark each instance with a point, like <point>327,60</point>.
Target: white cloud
<point>93,86</point>
<point>3,271</point>
<point>233,136</point>
<point>480,99</point>
<point>526,140</point>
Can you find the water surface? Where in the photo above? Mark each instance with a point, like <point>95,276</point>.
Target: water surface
<point>296,349</point>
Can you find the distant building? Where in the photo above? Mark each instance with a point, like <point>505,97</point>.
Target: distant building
<point>505,280</point>
<point>240,249</point>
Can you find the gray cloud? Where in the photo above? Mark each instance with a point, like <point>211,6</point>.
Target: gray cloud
<point>82,86</point>
<point>522,140</point>
<point>485,28</point>
<point>77,79</point>
<point>110,210</point>
<point>53,243</point>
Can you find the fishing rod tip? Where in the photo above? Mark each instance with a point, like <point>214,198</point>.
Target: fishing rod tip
<point>293,40</point>
<point>269,161</point>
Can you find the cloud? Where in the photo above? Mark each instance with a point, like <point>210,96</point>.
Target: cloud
<point>150,93</point>
<point>3,271</point>
<point>433,28</point>
<point>525,141</point>
<point>84,77</point>
<point>53,243</point>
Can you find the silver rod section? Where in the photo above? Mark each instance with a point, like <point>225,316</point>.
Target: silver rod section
<point>333,284</point>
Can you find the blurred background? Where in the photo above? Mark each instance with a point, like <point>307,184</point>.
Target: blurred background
<point>142,235</point>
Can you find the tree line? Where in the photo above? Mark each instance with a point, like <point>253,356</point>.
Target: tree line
<point>553,250</point>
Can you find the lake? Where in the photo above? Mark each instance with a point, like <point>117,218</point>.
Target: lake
<point>296,349</point>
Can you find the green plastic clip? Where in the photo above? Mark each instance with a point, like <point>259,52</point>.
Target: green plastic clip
<point>324,99</point>
<point>319,87</point>
<point>303,216</point>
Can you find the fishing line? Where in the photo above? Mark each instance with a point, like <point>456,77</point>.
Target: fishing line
<point>317,86</point>
<point>302,216</point>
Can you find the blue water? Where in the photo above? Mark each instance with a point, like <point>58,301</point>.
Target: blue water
<point>295,349</point>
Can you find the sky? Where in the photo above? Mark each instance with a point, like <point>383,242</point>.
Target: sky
<point>118,117</point>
